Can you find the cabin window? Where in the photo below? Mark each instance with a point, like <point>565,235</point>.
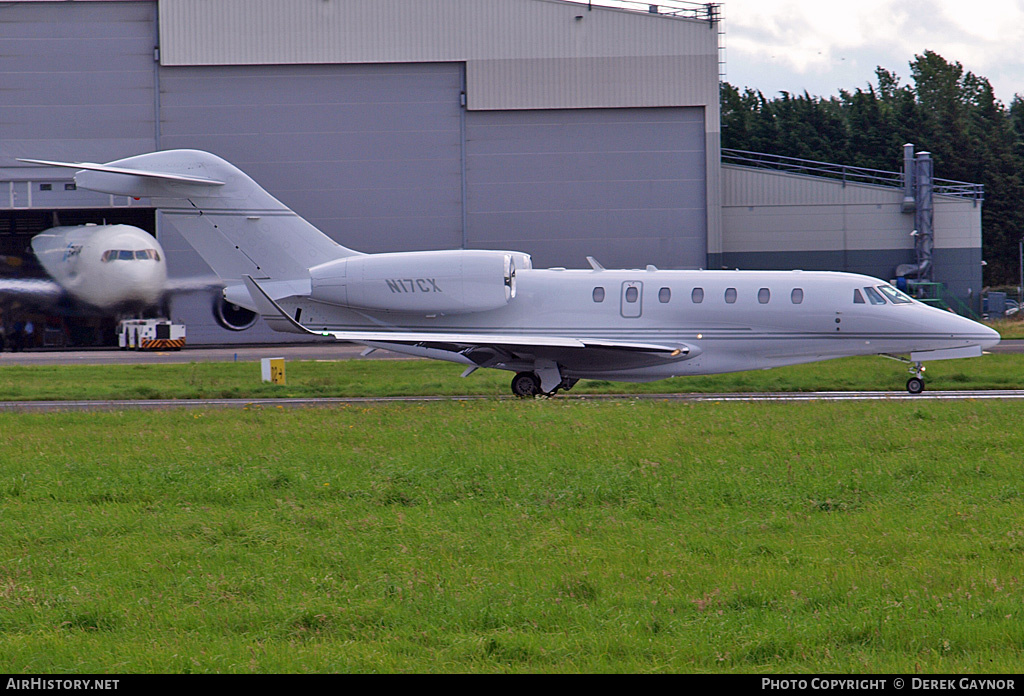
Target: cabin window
<point>598,294</point>
<point>697,296</point>
<point>45,187</point>
<point>874,297</point>
<point>632,294</point>
<point>664,295</point>
<point>857,297</point>
<point>730,295</point>
<point>764,295</point>
<point>797,296</point>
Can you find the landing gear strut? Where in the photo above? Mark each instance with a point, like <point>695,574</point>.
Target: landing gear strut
<point>915,385</point>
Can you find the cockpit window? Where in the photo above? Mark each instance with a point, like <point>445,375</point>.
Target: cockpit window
<point>874,297</point>
<point>894,295</point>
<point>129,255</point>
<point>857,297</point>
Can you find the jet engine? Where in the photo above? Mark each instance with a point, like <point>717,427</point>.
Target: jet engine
<point>232,317</point>
<point>424,282</point>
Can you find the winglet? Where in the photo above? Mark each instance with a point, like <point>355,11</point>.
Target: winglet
<point>93,167</point>
<point>272,312</point>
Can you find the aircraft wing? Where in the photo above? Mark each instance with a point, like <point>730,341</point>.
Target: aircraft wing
<point>272,311</point>
<point>193,283</point>
<point>30,290</point>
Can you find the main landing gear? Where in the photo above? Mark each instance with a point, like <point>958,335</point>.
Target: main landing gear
<point>527,385</point>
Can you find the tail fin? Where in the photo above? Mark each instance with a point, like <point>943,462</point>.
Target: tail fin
<point>238,228</point>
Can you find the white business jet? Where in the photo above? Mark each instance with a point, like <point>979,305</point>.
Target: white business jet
<point>551,327</point>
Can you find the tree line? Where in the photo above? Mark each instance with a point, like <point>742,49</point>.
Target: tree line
<point>950,112</point>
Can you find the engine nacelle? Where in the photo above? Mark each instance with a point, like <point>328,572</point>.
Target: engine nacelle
<point>231,316</point>
<point>428,282</point>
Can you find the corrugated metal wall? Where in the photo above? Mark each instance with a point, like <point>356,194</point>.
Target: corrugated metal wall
<point>77,81</point>
<point>599,57</point>
<point>370,154</point>
<point>774,220</point>
<point>626,185</point>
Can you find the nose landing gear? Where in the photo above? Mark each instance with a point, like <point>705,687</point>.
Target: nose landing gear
<point>915,385</point>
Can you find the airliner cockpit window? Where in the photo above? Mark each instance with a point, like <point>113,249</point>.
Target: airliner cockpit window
<point>894,295</point>
<point>857,297</point>
<point>129,255</point>
<point>874,297</point>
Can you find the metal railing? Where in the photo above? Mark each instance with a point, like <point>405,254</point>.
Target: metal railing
<point>845,173</point>
<point>706,11</point>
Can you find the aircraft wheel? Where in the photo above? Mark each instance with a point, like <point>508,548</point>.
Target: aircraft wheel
<point>526,384</point>
<point>915,385</point>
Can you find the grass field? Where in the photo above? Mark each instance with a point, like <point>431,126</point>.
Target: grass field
<point>493,536</point>
<point>1012,328</point>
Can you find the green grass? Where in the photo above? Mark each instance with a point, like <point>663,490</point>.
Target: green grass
<point>507,536</point>
<point>1012,328</point>
<point>418,377</point>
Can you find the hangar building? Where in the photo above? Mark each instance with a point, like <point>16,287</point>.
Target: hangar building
<point>562,129</point>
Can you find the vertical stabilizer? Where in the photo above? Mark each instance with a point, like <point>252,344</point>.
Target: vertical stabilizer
<point>237,227</point>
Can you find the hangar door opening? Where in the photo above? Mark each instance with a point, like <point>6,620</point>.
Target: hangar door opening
<point>625,185</point>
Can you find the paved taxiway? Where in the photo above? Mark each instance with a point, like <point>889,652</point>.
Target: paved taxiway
<point>156,404</point>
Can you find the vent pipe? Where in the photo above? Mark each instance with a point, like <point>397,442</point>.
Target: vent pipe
<point>923,209</point>
<point>908,178</point>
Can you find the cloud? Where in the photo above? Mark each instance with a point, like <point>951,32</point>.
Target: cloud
<point>793,45</point>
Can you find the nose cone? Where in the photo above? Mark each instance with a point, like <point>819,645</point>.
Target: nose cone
<point>973,333</point>
<point>140,281</point>
<point>990,337</point>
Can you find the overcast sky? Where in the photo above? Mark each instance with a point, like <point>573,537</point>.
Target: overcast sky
<point>824,45</point>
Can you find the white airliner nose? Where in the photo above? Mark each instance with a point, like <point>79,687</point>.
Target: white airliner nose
<point>133,282</point>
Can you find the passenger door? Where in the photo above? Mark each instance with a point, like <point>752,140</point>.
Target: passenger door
<point>632,299</point>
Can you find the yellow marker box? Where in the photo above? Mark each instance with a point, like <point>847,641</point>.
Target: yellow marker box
<point>273,370</point>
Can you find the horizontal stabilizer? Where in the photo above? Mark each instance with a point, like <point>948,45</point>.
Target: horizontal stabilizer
<point>93,167</point>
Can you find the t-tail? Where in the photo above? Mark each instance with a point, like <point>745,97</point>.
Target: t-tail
<point>237,227</point>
